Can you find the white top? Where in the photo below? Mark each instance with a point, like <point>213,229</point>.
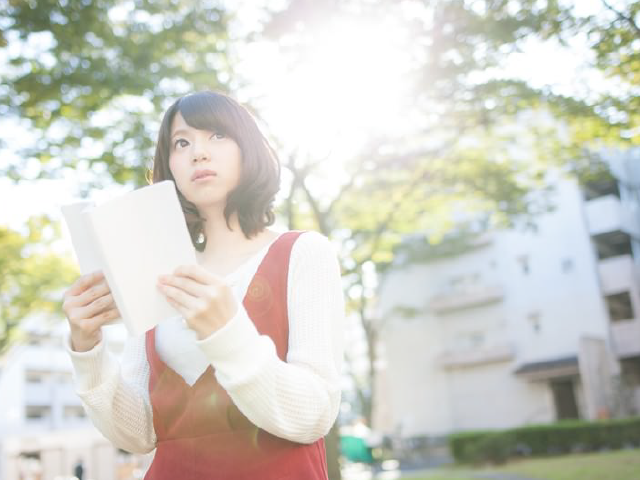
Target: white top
<point>297,400</point>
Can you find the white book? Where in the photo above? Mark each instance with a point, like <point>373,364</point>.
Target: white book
<point>133,239</point>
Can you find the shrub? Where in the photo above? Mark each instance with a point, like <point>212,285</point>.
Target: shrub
<point>550,439</point>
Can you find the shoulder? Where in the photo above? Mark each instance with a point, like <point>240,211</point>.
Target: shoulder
<point>313,251</point>
<point>312,242</point>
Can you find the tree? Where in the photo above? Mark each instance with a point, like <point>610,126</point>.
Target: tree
<point>419,189</point>
<point>33,276</point>
<point>92,78</point>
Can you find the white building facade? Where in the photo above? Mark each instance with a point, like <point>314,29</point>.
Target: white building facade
<point>44,432</point>
<point>525,327</point>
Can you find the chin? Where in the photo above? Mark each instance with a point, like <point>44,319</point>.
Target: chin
<point>205,202</point>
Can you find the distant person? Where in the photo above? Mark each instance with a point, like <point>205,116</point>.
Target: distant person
<point>78,470</point>
<point>247,383</point>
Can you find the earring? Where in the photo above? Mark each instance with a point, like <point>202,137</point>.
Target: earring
<point>200,238</point>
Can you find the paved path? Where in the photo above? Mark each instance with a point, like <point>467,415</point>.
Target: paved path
<point>364,474</point>
<point>484,475</point>
<point>499,476</point>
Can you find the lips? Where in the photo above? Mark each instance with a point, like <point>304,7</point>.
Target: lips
<point>202,174</point>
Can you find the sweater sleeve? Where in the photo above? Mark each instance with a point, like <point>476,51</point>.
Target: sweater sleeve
<point>298,399</point>
<point>115,395</point>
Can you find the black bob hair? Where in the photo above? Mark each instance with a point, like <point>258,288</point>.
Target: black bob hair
<point>259,183</point>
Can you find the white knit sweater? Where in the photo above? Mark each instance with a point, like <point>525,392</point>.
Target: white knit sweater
<point>297,399</point>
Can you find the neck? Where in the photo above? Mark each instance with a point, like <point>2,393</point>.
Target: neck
<point>220,237</point>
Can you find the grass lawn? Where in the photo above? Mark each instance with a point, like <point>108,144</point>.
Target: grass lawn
<point>616,465</point>
<point>440,477</point>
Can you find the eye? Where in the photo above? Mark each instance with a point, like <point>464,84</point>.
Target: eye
<point>218,136</point>
<point>179,143</point>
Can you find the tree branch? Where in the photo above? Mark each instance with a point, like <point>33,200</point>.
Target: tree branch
<point>623,17</point>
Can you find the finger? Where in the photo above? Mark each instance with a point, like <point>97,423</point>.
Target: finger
<point>96,307</point>
<point>85,282</point>
<point>182,310</point>
<point>197,273</point>
<point>103,317</point>
<point>91,294</point>
<point>187,284</point>
<point>180,296</point>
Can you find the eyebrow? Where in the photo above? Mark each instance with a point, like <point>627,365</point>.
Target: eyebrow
<point>179,132</point>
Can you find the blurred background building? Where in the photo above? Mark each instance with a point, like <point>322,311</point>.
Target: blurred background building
<point>44,432</point>
<point>519,327</point>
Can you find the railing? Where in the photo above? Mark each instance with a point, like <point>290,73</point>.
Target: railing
<point>608,214</point>
<point>477,356</point>
<point>457,299</point>
<point>617,274</point>
<point>626,337</point>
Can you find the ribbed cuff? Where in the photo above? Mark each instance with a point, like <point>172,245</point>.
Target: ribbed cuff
<point>237,351</point>
<point>90,367</point>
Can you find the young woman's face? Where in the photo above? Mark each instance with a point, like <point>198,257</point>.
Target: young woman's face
<point>206,165</point>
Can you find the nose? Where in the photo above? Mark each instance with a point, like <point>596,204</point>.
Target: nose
<point>200,153</point>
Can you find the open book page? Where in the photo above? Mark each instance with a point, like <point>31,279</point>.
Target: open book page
<point>140,236</point>
<point>87,253</point>
<point>82,238</point>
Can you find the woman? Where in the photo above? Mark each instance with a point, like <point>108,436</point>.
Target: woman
<point>246,383</point>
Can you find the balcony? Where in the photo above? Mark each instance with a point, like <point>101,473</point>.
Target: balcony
<point>47,393</point>
<point>607,214</point>
<point>626,337</point>
<point>476,356</point>
<point>548,369</point>
<point>617,274</point>
<point>38,394</point>
<point>468,297</point>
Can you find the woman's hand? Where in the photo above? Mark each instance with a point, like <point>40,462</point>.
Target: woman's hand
<point>88,305</point>
<point>203,299</point>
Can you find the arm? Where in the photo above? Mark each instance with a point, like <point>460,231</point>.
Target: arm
<point>297,399</point>
<point>116,397</point>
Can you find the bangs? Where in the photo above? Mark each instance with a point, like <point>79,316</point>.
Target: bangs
<point>210,111</point>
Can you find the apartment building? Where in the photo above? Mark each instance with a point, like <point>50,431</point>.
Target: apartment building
<point>44,431</point>
<point>522,327</point>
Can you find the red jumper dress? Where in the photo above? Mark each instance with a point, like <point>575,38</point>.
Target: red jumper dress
<point>201,433</point>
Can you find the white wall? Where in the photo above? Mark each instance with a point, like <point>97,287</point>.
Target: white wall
<point>488,397</point>
<point>562,289</point>
<point>569,303</point>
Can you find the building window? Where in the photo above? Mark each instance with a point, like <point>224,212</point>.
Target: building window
<point>534,320</point>
<point>600,188</point>
<point>612,244</point>
<point>73,412</point>
<point>567,265</point>
<point>37,412</point>
<point>38,376</point>
<point>523,260</point>
<point>620,306</point>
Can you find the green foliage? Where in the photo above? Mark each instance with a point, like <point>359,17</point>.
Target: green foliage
<point>538,440</point>
<point>494,448</point>
<point>32,276</point>
<point>94,89</point>
<point>459,169</point>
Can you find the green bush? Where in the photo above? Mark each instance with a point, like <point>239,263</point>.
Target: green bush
<point>539,440</point>
<point>494,448</point>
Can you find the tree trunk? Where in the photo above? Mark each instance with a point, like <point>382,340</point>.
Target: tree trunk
<point>371,356</point>
<point>332,444</point>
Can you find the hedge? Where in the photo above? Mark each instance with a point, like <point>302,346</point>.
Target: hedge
<point>551,439</point>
